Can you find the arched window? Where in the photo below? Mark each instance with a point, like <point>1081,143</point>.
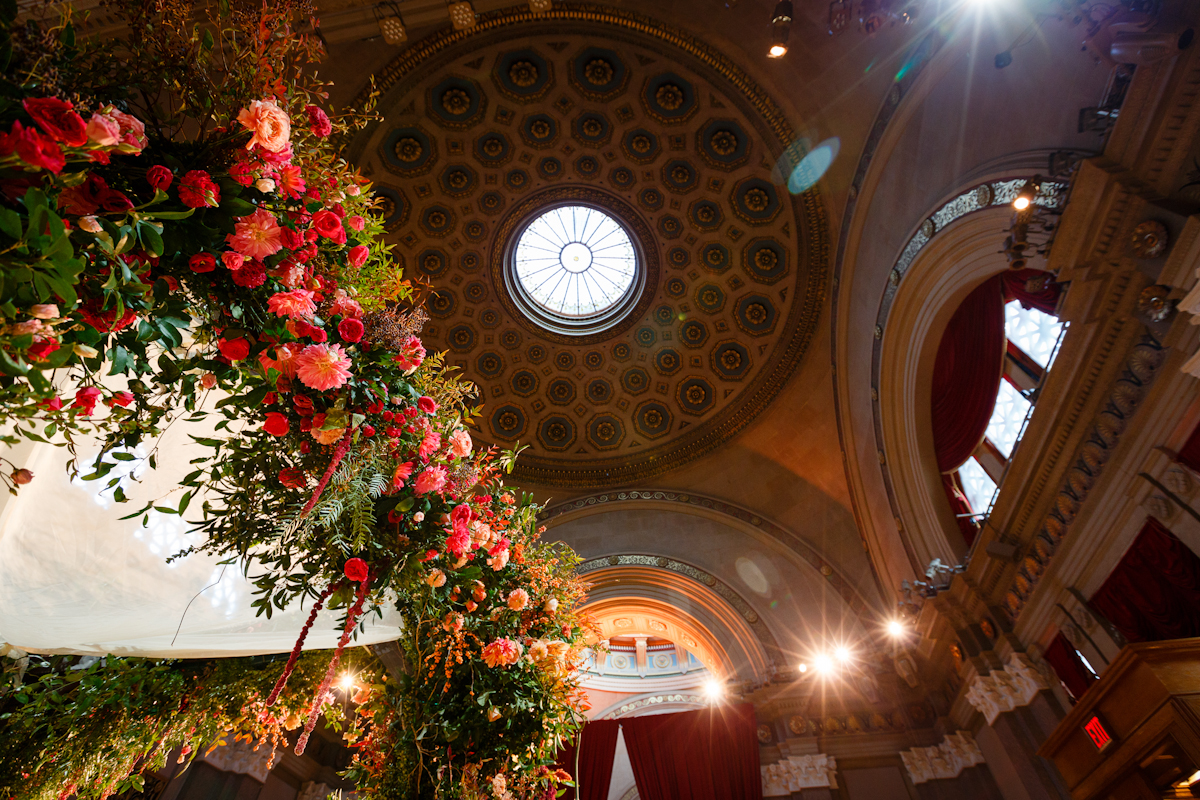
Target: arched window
<point>1033,338</point>
<point>992,360</point>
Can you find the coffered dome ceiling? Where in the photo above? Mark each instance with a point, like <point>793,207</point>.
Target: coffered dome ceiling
<point>485,129</point>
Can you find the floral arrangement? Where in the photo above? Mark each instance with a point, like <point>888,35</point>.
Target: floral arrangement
<point>184,241</point>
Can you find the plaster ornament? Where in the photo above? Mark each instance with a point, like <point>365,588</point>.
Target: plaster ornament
<point>245,758</point>
<point>1150,239</point>
<point>1179,481</point>
<point>796,773</point>
<point>1004,690</point>
<point>956,752</point>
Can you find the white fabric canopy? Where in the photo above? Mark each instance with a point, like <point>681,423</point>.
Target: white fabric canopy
<point>75,579</point>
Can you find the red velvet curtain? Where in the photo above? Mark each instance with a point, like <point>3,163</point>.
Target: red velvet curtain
<point>1016,287</point>
<point>966,375</point>
<point>1154,592</point>
<point>961,507</point>
<point>596,752</point>
<point>1189,454</point>
<point>710,754</point>
<point>1062,657</point>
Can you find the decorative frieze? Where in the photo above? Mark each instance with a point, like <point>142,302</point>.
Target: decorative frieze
<point>1004,690</point>
<point>799,772</point>
<point>957,752</point>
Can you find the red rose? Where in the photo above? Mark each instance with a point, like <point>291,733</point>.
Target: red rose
<point>318,122</point>
<point>351,330</point>
<point>291,238</point>
<point>233,261</point>
<point>33,148</point>
<point>203,262</point>
<point>251,275</point>
<point>159,177</point>
<point>241,174</point>
<point>303,405</point>
<point>197,190</point>
<point>234,349</point>
<point>427,405</point>
<point>358,255</point>
<point>318,335</point>
<point>277,424</point>
<point>85,400</point>
<point>58,119</point>
<point>122,399</point>
<point>84,198</point>
<point>40,351</point>
<point>105,321</point>
<point>53,404</point>
<point>368,430</point>
<point>292,477</point>
<point>328,224</point>
<point>356,569</point>
<point>115,202</point>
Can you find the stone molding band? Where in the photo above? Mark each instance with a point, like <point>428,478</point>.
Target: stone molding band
<point>956,752</point>
<point>1013,687</point>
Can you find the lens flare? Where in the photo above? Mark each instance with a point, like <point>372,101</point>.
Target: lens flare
<point>813,166</point>
<point>714,689</point>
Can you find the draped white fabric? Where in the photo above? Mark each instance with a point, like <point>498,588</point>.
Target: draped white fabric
<point>76,579</point>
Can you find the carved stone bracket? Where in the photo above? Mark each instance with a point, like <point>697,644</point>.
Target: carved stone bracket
<point>799,772</point>
<point>956,752</point>
<point>242,757</point>
<point>1004,690</point>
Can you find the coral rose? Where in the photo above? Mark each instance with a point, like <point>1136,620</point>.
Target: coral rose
<point>436,578</point>
<point>257,235</point>
<point>58,119</point>
<point>432,479</point>
<point>501,653</point>
<point>269,123</point>
<point>297,304</point>
<point>460,443</point>
<point>518,599</point>
<point>323,366</point>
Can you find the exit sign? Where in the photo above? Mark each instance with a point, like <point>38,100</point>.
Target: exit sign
<point>1096,731</point>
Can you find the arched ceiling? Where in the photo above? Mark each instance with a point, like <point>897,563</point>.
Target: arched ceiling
<point>482,128</point>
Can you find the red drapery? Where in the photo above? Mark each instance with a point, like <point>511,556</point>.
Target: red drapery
<point>1189,454</point>
<point>961,507</point>
<point>710,754</point>
<point>1016,287</point>
<point>966,375</point>
<point>1062,657</point>
<point>1154,592</point>
<point>596,752</point>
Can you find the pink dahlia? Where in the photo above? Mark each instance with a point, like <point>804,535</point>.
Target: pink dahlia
<point>323,366</point>
<point>432,479</point>
<point>257,236</point>
<point>297,304</point>
<point>501,653</point>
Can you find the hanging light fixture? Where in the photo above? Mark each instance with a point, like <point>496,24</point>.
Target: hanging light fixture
<point>391,24</point>
<point>462,15</point>
<point>781,24</point>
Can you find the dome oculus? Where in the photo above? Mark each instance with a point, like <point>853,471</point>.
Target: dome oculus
<point>575,267</point>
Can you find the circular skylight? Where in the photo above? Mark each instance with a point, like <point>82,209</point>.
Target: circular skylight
<point>575,263</point>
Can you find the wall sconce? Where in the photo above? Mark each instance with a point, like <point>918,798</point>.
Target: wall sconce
<point>391,24</point>
<point>781,24</point>
<point>462,15</point>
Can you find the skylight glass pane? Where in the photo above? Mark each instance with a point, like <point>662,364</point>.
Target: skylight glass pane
<point>977,485</point>
<point>1032,331</point>
<point>575,261</point>
<point>1005,425</point>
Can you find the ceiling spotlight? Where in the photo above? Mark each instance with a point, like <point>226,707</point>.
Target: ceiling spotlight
<point>391,24</point>
<point>538,6</point>
<point>896,629</point>
<point>1028,192</point>
<point>714,689</point>
<point>462,15</point>
<point>781,23</point>
<point>843,654</point>
<point>823,663</point>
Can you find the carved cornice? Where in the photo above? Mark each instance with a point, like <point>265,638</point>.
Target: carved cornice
<point>696,502</point>
<point>796,773</point>
<point>958,751</point>
<point>998,691</point>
